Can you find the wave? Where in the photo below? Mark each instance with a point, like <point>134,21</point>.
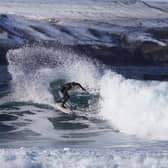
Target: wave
<point>131,106</point>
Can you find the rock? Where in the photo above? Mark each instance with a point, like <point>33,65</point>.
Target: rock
<point>157,77</point>
<point>155,53</point>
<point>117,47</point>
<point>159,33</point>
<point>3,59</point>
<point>115,55</point>
<point>1,30</point>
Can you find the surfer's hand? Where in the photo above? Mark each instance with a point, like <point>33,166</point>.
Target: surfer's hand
<point>86,91</point>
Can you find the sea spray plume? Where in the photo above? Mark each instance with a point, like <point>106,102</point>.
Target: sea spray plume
<point>34,67</point>
<point>135,107</point>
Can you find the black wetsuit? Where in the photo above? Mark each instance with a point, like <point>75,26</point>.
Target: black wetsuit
<point>65,88</point>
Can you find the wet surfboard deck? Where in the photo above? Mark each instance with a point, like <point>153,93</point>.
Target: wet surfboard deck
<point>59,107</point>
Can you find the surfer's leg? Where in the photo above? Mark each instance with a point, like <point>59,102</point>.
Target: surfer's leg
<point>61,94</point>
<point>65,99</point>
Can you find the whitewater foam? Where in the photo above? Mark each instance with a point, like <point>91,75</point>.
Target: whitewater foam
<point>83,158</point>
<point>34,68</point>
<point>135,107</point>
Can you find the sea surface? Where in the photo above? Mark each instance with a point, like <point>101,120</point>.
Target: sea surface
<point>121,123</point>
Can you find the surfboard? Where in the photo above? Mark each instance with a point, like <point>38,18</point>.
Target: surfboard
<point>58,106</point>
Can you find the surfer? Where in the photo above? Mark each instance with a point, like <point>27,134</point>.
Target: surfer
<point>65,88</point>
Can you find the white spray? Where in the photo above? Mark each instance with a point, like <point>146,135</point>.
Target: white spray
<point>135,107</point>
<point>33,68</point>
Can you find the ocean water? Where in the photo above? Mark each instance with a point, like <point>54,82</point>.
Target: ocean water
<point>121,123</point>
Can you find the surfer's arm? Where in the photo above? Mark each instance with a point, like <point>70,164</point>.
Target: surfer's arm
<point>83,88</point>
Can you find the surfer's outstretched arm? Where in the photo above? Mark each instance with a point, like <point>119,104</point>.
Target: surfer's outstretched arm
<point>82,88</point>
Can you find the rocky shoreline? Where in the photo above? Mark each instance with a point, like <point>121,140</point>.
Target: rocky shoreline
<point>127,45</point>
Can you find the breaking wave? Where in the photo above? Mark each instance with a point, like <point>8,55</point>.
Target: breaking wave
<point>131,106</point>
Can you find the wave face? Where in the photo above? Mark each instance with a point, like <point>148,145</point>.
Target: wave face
<point>131,106</point>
